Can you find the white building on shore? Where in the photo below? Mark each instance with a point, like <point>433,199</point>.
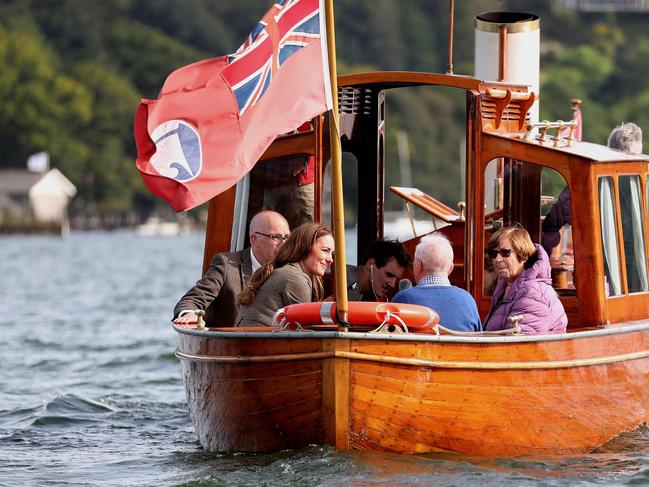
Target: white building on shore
<point>32,201</point>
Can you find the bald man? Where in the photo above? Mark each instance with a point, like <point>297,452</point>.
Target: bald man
<point>216,292</point>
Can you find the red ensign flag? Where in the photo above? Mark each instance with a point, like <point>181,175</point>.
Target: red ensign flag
<point>215,118</point>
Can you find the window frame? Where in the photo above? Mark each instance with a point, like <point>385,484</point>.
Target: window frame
<point>621,270</point>
<point>643,228</point>
<point>507,199</point>
<point>643,178</point>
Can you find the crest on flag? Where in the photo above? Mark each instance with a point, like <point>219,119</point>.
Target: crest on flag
<point>178,153</point>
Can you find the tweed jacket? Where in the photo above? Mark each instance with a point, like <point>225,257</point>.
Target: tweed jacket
<point>287,285</point>
<point>216,292</point>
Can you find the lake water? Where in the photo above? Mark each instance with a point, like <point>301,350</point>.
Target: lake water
<point>91,392</point>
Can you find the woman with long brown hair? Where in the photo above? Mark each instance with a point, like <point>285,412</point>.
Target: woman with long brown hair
<point>293,276</point>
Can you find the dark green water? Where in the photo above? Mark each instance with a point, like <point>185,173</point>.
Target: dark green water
<point>91,393</point>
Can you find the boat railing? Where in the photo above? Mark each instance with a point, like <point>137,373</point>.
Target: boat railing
<point>331,332</point>
<point>442,330</point>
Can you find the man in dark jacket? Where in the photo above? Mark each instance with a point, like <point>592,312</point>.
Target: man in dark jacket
<point>382,265</point>
<point>216,292</point>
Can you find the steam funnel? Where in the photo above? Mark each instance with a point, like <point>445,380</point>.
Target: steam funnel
<point>507,48</point>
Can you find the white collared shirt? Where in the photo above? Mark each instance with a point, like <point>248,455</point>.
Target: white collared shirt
<point>433,280</point>
<point>255,263</point>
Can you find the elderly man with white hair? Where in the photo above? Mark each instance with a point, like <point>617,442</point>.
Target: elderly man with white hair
<point>432,265</point>
<point>626,138</point>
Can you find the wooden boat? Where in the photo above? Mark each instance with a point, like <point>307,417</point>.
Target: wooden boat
<point>261,389</point>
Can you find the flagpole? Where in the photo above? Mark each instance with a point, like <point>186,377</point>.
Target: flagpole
<point>336,172</point>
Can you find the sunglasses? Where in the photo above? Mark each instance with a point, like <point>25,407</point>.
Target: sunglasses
<point>493,253</point>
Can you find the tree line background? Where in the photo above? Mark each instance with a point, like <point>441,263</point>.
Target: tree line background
<point>73,71</point>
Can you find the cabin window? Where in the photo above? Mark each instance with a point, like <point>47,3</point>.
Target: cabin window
<point>633,233</point>
<point>425,168</point>
<point>493,205</point>
<point>556,228</point>
<point>538,198</point>
<point>289,187</point>
<point>612,282</point>
<point>285,185</point>
<point>421,153</point>
<point>350,195</point>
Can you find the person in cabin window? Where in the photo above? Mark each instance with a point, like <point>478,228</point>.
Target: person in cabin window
<point>626,138</point>
<point>524,285</point>
<point>557,217</point>
<point>216,292</point>
<point>432,265</point>
<point>383,264</point>
<point>289,185</point>
<point>293,276</point>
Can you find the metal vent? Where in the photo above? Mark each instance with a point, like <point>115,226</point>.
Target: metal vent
<point>357,100</point>
<point>511,112</point>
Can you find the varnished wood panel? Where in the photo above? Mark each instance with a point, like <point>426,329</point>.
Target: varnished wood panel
<point>226,346</point>
<point>354,398</point>
<point>335,396</point>
<point>260,407</point>
<point>218,231</point>
<point>629,307</point>
<point>255,406</point>
<point>588,347</point>
<point>513,412</point>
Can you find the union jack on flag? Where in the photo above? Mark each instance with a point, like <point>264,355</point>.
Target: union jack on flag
<point>286,28</point>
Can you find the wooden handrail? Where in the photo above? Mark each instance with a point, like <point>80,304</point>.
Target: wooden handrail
<point>506,332</point>
<point>515,95</point>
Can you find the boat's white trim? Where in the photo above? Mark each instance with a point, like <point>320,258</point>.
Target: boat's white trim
<point>409,337</point>
<point>440,364</point>
<point>248,359</point>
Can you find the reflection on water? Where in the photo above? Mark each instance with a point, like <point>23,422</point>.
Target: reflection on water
<point>91,393</point>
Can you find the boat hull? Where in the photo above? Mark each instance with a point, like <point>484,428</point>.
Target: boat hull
<point>566,394</point>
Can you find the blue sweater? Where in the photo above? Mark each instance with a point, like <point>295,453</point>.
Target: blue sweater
<point>456,308</point>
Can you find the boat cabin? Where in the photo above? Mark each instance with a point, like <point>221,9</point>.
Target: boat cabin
<point>513,172</point>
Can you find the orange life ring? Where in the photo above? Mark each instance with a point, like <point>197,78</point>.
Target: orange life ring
<point>418,319</point>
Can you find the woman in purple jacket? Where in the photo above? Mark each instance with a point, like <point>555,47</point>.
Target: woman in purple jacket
<point>524,285</point>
